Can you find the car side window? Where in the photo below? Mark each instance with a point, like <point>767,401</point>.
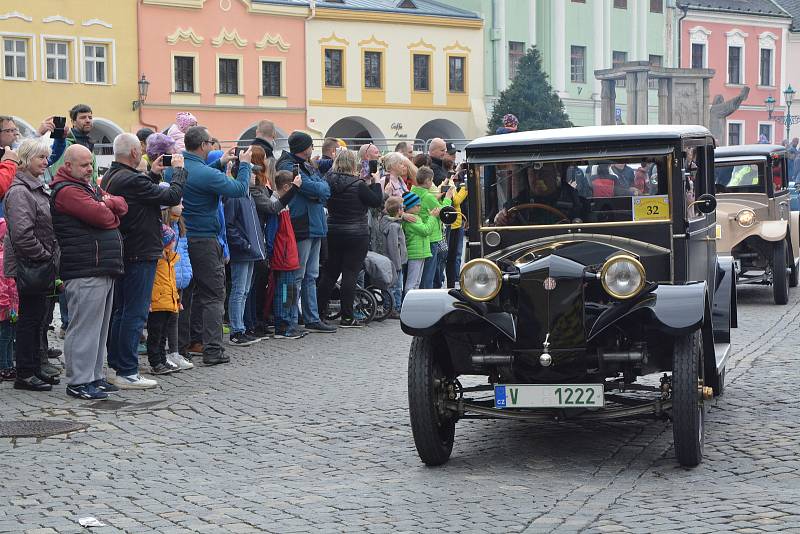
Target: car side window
<point>778,176</point>
<point>692,180</point>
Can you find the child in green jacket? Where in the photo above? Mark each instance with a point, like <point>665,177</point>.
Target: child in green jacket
<point>432,201</point>
<point>418,232</point>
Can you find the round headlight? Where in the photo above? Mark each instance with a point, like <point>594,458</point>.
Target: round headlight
<point>622,277</point>
<point>746,218</point>
<point>481,280</point>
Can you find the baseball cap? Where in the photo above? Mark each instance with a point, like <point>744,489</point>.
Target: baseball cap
<point>451,148</point>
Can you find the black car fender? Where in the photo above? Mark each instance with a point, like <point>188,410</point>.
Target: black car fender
<point>671,309</point>
<point>724,300</point>
<point>427,311</point>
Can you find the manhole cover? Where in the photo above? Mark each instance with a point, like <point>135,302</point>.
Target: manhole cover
<point>38,429</point>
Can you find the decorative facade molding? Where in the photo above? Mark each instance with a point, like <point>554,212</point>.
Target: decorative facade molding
<point>195,4</point>
<point>699,34</point>
<point>421,44</point>
<point>273,40</point>
<point>16,15</point>
<point>767,40</point>
<point>58,18</point>
<point>457,47</point>
<point>97,22</point>
<point>185,35</point>
<point>334,39</point>
<point>372,41</point>
<point>225,5</point>
<point>228,36</point>
<point>736,37</point>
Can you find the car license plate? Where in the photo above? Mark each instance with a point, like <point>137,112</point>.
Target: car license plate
<point>548,395</point>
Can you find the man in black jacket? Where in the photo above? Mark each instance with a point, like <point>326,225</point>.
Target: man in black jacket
<point>265,137</point>
<point>141,234</point>
<point>437,150</point>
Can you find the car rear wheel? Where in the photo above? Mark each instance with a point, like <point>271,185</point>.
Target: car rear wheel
<point>688,409</point>
<point>433,428</point>
<point>780,275</point>
<point>793,270</point>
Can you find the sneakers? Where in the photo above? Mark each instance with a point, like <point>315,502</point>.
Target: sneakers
<point>258,335</point>
<point>215,359</point>
<point>195,349</point>
<point>135,381</point>
<point>142,348</point>
<point>291,334</point>
<point>164,368</point>
<point>240,339</point>
<point>33,383</point>
<point>54,354</point>
<point>179,361</point>
<point>320,328</point>
<point>103,385</point>
<point>86,392</point>
<point>349,322</point>
<point>8,374</point>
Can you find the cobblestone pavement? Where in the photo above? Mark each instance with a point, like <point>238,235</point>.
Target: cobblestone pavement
<point>313,435</point>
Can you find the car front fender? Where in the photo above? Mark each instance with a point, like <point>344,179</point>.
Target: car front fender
<point>772,230</point>
<point>426,311</point>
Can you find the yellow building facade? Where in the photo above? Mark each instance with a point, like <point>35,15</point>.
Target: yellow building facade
<point>60,53</point>
<point>394,73</point>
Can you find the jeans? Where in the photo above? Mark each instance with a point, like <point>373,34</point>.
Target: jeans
<point>346,257</point>
<point>396,289</point>
<point>414,276</point>
<point>284,304</point>
<point>432,266</point>
<point>455,245</point>
<point>132,294</point>
<point>253,314</point>
<point>241,280</point>
<point>208,272</point>
<point>32,310</point>
<point>7,336</point>
<point>306,278</point>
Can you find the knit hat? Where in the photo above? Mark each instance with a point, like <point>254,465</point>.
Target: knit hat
<point>185,120</point>
<point>167,235</point>
<point>410,199</point>
<point>510,120</point>
<point>299,141</point>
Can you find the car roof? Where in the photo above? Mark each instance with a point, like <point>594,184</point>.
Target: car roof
<point>590,134</point>
<point>748,150</point>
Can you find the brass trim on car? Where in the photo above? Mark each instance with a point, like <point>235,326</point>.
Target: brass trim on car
<point>616,259</point>
<point>493,266</point>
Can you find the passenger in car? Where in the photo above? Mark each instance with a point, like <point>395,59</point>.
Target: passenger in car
<point>545,187</point>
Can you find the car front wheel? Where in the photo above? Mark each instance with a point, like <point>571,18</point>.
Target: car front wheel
<point>433,428</point>
<point>688,409</point>
<point>780,274</point>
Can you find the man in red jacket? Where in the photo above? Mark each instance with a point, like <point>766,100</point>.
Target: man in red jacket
<point>85,220</point>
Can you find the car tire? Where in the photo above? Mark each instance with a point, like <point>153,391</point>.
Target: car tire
<point>793,271</point>
<point>734,303</point>
<point>688,408</point>
<point>433,432</point>
<point>780,276</point>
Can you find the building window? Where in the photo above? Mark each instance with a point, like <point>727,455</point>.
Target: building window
<point>734,65</point>
<point>455,74</point>
<point>184,74</point>
<point>766,67</point>
<point>15,59</point>
<point>655,61</point>
<point>766,131</point>
<point>372,70</point>
<point>271,78</point>
<point>656,6</point>
<point>422,72</point>
<point>734,133</point>
<point>698,55</point>
<point>57,60</point>
<point>228,76</point>
<point>617,59</point>
<point>516,51</point>
<point>621,4</point>
<point>577,64</point>
<point>333,67</point>
<point>94,59</point>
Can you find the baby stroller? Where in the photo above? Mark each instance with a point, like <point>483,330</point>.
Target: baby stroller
<point>372,300</point>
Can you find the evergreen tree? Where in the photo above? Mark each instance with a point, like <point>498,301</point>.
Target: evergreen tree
<point>531,98</point>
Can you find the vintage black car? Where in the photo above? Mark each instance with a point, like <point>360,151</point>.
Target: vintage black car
<point>591,263</point>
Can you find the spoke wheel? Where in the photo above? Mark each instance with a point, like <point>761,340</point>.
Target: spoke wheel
<point>780,274</point>
<point>688,408</point>
<point>364,305</point>
<point>433,430</point>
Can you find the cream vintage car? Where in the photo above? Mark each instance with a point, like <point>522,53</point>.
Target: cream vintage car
<point>755,222</point>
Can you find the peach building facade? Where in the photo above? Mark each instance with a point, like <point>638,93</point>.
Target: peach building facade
<point>231,63</point>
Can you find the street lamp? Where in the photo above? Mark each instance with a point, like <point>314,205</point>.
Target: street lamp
<point>144,85</point>
<point>788,95</point>
<point>770,103</point>
<point>788,119</point>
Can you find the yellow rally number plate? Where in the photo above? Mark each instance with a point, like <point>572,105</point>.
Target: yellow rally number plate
<point>651,208</point>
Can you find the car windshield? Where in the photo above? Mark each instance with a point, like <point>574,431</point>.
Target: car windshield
<point>741,178</point>
<point>575,191</point>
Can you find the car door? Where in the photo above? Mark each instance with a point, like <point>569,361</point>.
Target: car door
<point>698,179</point>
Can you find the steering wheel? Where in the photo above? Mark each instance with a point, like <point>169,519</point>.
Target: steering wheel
<point>545,207</point>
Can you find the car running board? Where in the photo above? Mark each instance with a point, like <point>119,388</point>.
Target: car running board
<point>721,353</point>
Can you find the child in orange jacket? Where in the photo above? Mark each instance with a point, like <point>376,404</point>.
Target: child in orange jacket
<point>165,303</point>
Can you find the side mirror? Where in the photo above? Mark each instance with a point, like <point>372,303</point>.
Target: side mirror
<point>706,203</point>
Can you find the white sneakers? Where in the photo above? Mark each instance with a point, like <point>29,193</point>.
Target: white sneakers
<point>132,382</point>
<point>178,360</point>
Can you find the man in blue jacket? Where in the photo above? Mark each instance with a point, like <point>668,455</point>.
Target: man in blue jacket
<point>201,196</point>
<point>307,209</point>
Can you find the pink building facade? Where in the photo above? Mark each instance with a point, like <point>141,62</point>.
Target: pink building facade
<point>231,63</point>
<point>746,50</point>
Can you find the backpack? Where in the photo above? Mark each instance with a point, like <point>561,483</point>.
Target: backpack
<point>284,249</point>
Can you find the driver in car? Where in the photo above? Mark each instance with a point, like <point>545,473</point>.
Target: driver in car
<point>558,201</point>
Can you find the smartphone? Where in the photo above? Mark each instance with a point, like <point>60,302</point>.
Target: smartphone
<point>373,166</point>
<point>61,123</point>
<point>166,160</point>
<point>296,169</point>
<point>445,188</point>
